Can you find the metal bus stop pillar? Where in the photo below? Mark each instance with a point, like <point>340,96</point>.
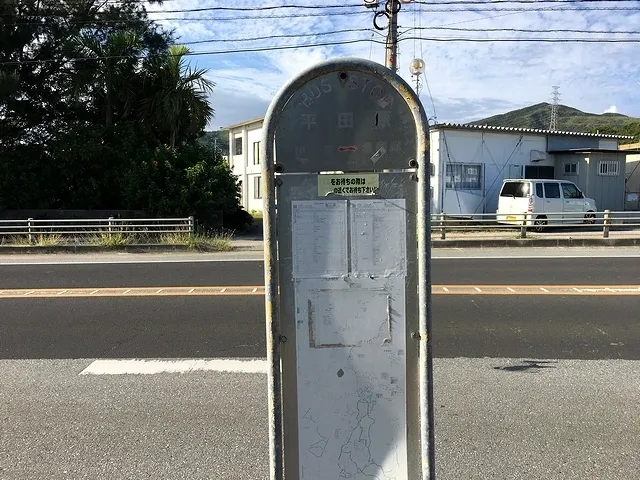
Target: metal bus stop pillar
<point>347,276</point>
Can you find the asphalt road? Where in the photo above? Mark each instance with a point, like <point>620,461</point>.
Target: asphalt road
<point>496,419</point>
<point>176,327</point>
<point>580,327</point>
<point>480,271</point>
<point>527,386</point>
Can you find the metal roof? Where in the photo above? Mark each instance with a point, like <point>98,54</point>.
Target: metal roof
<point>460,126</point>
<point>242,124</point>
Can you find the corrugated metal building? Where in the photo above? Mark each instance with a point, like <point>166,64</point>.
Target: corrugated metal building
<point>470,162</point>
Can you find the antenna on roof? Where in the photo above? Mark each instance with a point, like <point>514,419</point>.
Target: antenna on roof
<point>555,101</point>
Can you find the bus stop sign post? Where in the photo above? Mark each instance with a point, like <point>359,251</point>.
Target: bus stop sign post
<point>347,276</point>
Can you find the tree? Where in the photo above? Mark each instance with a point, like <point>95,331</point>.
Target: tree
<point>106,72</point>
<point>178,103</point>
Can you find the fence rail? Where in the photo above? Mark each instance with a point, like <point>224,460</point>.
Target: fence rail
<point>84,227</point>
<point>607,220</point>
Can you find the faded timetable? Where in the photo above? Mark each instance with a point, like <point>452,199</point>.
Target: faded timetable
<point>351,379</point>
<point>319,229</point>
<point>378,237</point>
<point>349,318</point>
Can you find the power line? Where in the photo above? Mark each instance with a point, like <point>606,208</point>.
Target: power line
<point>528,30</point>
<point>359,12</point>
<point>270,37</point>
<point>523,39</point>
<point>201,19</point>
<point>215,52</point>
<point>524,2</point>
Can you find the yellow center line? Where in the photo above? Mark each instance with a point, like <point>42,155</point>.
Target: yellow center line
<point>258,290</point>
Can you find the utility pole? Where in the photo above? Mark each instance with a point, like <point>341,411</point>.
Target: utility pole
<point>391,10</point>
<point>391,47</point>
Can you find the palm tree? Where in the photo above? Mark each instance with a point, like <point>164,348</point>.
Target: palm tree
<point>109,70</point>
<point>177,100</point>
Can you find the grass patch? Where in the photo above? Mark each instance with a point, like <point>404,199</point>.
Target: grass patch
<point>220,242</point>
<point>52,240</point>
<point>19,240</point>
<point>111,240</point>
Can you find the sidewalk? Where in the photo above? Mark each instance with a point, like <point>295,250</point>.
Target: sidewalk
<point>560,237</point>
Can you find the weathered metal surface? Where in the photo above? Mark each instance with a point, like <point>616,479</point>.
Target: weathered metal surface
<point>357,104</point>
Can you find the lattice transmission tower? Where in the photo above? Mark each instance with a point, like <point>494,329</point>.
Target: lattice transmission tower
<point>555,101</point>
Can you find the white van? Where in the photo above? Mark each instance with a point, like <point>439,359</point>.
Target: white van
<point>543,202</point>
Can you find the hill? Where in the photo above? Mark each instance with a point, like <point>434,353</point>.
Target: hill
<point>218,138</point>
<point>569,119</point>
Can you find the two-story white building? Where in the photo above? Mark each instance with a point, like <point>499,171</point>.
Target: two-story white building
<point>244,159</point>
<point>469,163</point>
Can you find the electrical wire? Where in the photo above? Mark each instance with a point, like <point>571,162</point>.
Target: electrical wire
<point>214,52</point>
<point>522,39</point>
<point>528,30</point>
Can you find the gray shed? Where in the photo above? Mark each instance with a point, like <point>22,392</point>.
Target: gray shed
<point>598,173</point>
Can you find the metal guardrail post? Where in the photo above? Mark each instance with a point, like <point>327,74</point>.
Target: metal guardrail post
<point>29,224</point>
<point>607,223</point>
<point>192,227</point>
<point>110,226</point>
<point>523,228</point>
<point>443,232</point>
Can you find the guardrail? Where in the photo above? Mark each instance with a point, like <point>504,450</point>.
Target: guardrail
<point>85,227</point>
<point>609,220</point>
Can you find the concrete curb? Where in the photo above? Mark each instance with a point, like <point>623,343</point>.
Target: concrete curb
<point>537,242</point>
<point>26,250</point>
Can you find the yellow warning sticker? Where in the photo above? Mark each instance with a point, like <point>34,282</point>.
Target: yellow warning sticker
<point>348,184</point>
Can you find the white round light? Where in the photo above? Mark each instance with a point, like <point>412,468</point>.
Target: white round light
<point>416,67</point>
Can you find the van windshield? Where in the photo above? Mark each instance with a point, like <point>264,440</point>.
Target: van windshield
<point>515,189</point>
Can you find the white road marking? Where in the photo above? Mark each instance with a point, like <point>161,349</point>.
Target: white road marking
<point>254,290</point>
<point>154,367</point>
<point>223,290</point>
<point>191,291</point>
<point>511,290</point>
<point>159,291</point>
<point>544,289</point>
<point>445,289</point>
<point>477,289</point>
<point>126,291</point>
<point>94,292</point>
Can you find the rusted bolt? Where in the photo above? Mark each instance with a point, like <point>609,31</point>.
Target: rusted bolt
<point>278,182</point>
<point>415,335</point>
<point>413,163</point>
<point>279,168</point>
<point>283,339</point>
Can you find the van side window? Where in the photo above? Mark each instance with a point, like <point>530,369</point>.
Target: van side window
<point>552,190</point>
<point>539,193</point>
<point>569,190</point>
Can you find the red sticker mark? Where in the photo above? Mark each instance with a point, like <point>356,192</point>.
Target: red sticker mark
<point>347,149</point>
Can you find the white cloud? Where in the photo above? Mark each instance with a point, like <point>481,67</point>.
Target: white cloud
<point>611,109</point>
<point>469,80</point>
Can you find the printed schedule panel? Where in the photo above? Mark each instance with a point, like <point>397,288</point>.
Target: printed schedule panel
<point>349,269</point>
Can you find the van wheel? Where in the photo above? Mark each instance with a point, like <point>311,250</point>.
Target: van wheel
<point>590,217</point>
<point>539,224</point>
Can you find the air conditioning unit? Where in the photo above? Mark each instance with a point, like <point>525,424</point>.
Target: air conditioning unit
<point>537,156</point>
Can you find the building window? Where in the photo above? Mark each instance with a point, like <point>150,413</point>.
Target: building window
<point>464,176</point>
<point>570,168</point>
<point>257,187</point>
<point>608,168</point>
<point>237,148</point>
<point>256,153</point>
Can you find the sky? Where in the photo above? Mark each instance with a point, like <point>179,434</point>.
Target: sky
<point>467,80</point>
